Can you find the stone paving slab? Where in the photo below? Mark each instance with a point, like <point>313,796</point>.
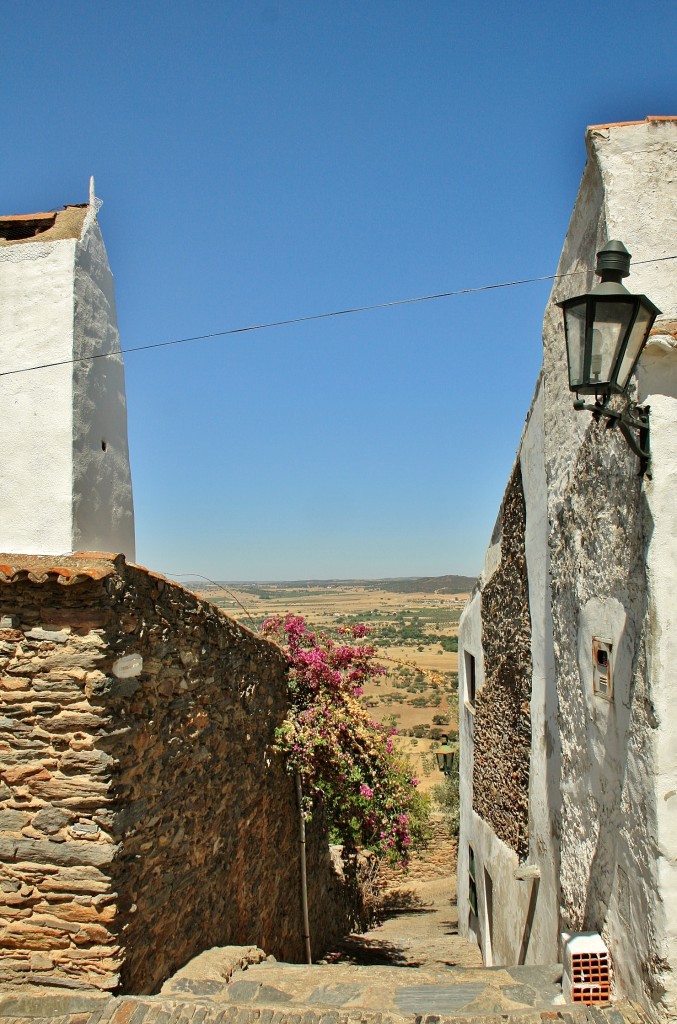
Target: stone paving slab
<point>17,1008</point>
<point>457,991</point>
<point>149,1010</point>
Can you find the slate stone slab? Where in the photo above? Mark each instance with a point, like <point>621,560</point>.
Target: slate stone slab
<point>437,998</point>
<point>536,976</point>
<point>333,995</point>
<point>194,987</point>
<point>51,1005</point>
<point>521,994</point>
<point>253,991</point>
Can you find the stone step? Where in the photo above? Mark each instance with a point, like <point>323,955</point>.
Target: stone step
<point>399,991</point>
<point>47,1008</point>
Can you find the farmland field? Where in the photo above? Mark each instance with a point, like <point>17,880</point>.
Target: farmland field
<point>415,636</point>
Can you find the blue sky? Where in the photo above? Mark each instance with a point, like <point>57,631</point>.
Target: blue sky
<point>261,161</point>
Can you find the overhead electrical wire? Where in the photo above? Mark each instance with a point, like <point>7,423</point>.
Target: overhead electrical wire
<point>219,586</point>
<point>307,319</point>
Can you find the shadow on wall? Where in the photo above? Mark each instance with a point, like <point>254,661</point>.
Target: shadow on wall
<point>608,814</point>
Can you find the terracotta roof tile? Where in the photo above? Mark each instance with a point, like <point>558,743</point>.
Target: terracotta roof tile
<point>67,570</point>
<point>50,215</point>
<point>71,569</point>
<point>623,124</point>
<point>52,226</point>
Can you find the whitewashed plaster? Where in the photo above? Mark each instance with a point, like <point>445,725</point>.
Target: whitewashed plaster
<point>648,153</point>
<point>469,641</point>
<point>613,550</point>
<point>61,492</point>
<point>544,775</point>
<point>506,928</point>
<point>36,457</point>
<point>102,488</point>
<point>601,548</point>
<point>518,921</point>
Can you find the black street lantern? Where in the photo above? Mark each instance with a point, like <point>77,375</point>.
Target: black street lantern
<point>445,756</point>
<point>606,332</point>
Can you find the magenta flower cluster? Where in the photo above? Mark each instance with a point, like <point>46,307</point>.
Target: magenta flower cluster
<point>346,761</point>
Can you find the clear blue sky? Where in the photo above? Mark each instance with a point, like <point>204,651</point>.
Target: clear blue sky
<point>262,160</point>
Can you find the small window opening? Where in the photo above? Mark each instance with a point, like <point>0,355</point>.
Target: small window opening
<point>470,678</point>
<point>489,919</point>
<point>472,881</point>
<point>104,445</point>
<point>602,679</point>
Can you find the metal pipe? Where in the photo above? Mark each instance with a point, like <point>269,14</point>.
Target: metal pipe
<point>304,878</point>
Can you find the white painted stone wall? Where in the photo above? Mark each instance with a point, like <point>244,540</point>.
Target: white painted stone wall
<point>61,491</point>
<point>36,457</point>
<point>518,916</point>
<point>616,571</point>
<point>102,486</point>
<point>544,795</point>
<point>469,642</point>
<point>601,549</point>
<point>648,217</point>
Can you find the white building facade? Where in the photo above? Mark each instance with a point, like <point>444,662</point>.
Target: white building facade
<point>569,785</point>
<point>64,457</point>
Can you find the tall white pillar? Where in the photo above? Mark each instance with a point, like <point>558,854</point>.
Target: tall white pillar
<point>65,482</point>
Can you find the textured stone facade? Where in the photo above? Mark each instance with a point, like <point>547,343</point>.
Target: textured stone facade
<point>502,729</point>
<point>601,553</point>
<point>144,815</point>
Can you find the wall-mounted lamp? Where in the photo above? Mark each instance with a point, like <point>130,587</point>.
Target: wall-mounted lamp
<point>606,331</point>
<point>445,756</point>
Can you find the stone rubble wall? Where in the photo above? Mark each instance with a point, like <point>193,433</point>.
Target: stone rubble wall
<point>502,729</point>
<point>144,815</point>
<point>437,860</point>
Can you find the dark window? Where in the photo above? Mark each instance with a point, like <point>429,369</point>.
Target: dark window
<point>13,229</point>
<point>470,678</point>
<point>472,883</point>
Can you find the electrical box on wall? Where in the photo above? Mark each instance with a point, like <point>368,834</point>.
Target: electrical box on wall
<point>602,678</point>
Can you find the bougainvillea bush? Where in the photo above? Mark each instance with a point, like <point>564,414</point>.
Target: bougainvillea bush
<point>345,760</point>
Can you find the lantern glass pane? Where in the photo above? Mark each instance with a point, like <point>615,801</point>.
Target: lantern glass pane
<point>575,331</point>
<point>641,326</point>
<point>611,321</point>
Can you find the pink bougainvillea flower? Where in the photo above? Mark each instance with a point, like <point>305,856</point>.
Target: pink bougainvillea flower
<point>328,738</point>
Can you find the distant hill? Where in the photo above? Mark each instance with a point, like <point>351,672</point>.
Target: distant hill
<point>398,585</point>
<point>429,585</point>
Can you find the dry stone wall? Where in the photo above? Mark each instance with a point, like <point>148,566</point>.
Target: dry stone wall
<point>144,816</point>
<point>502,730</point>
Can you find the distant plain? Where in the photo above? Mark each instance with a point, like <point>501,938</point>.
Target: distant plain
<point>414,632</point>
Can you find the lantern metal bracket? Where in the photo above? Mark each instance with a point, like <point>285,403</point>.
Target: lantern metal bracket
<point>632,418</point>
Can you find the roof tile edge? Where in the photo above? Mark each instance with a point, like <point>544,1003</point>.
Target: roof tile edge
<point>623,124</point>
<point>64,569</point>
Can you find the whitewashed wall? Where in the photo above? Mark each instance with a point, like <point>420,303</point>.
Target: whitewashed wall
<point>544,793</point>
<point>601,548</point>
<point>36,455</point>
<point>469,641</point>
<point>102,488</point>
<point>613,554</point>
<point>518,921</point>
<point>648,217</point>
<point>61,491</point>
